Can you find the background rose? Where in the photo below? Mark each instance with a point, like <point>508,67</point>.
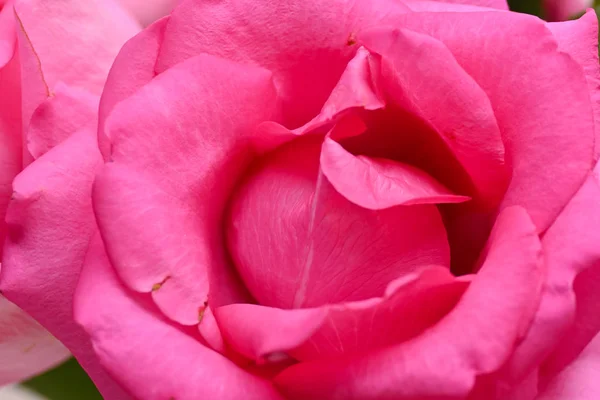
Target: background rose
<point>54,58</point>
<point>560,10</point>
<point>213,135</point>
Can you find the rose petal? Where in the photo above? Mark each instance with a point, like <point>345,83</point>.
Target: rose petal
<point>50,222</point>
<point>475,338</point>
<point>147,12</point>
<point>579,39</point>
<point>455,5</point>
<point>499,4</point>
<point>145,352</point>
<point>175,185</point>
<point>550,148</point>
<point>448,100</point>
<point>377,183</point>
<point>307,58</point>
<point>25,347</point>
<point>410,305</point>
<point>67,111</point>
<point>290,232</point>
<point>8,37</point>
<point>132,69</point>
<point>580,379</point>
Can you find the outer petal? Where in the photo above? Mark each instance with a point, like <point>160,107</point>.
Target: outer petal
<point>183,138</point>
<point>475,338</point>
<point>571,247</point>
<point>579,39</point>
<point>132,69</point>
<point>26,348</point>
<point>80,30</point>
<point>306,44</point>
<point>148,354</point>
<point>10,136</point>
<point>580,379</point>
<point>52,212</point>
<point>411,304</point>
<point>288,230</point>
<point>550,148</point>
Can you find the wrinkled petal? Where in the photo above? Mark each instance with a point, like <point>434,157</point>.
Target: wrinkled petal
<point>296,242</point>
<point>379,183</point>
<point>579,39</point>
<point>475,338</point>
<point>145,352</point>
<point>175,185</point>
<point>580,379</point>
<point>26,348</point>
<point>550,148</point>
<point>306,44</point>
<point>51,212</point>
<point>411,305</point>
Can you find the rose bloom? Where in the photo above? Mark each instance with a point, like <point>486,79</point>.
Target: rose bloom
<point>54,58</point>
<point>559,10</point>
<point>351,200</point>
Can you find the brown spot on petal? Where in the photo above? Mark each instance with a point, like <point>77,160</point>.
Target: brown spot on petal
<point>158,285</point>
<point>351,40</point>
<point>201,311</point>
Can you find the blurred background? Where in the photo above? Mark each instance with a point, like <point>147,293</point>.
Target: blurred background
<point>70,382</point>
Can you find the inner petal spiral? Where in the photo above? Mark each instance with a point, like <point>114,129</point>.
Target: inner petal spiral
<point>296,242</point>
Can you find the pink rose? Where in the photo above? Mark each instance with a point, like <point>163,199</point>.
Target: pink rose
<point>328,200</point>
<point>54,59</point>
<point>560,10</point>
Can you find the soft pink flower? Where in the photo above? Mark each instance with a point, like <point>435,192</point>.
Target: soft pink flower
<point>54,59</point>
<point>328,200</point>
<point>560,10</point>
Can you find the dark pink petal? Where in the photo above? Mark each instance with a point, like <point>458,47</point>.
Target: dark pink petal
<point>132,69</point>
<point>410,305</point>
<point>50,223</point>
<point>10,136</point>
<point>297,243</point>
<point>378,183</point>
<point>68,110</point>
<point>579,39</point>
<point>580,379</point>
<point>159,203</point>
<point>152,358</point>
<point>475,338</point>
<point>26,348</point>
<point>422,77</point>
<point>307,44</point>
<point>550,148</point>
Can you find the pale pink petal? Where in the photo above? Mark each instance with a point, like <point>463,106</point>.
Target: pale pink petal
<point>296,242</point>
<point>68,110</point>
<point>152,358</point>
<point>499,4</point>
<point>50,223</point>
<point>579,381</point>
<point>475,338</point>
<point>147,11</point>
<point>306,43</point>
<point>579,39</point>
<point>550,148</point>
<point>8,33</point>
<point>26,348</point>
<point>377,183</point>
<point>175,185</point>
<point>411,305</point>
<point>455,5</point>
<point>132,69</point>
